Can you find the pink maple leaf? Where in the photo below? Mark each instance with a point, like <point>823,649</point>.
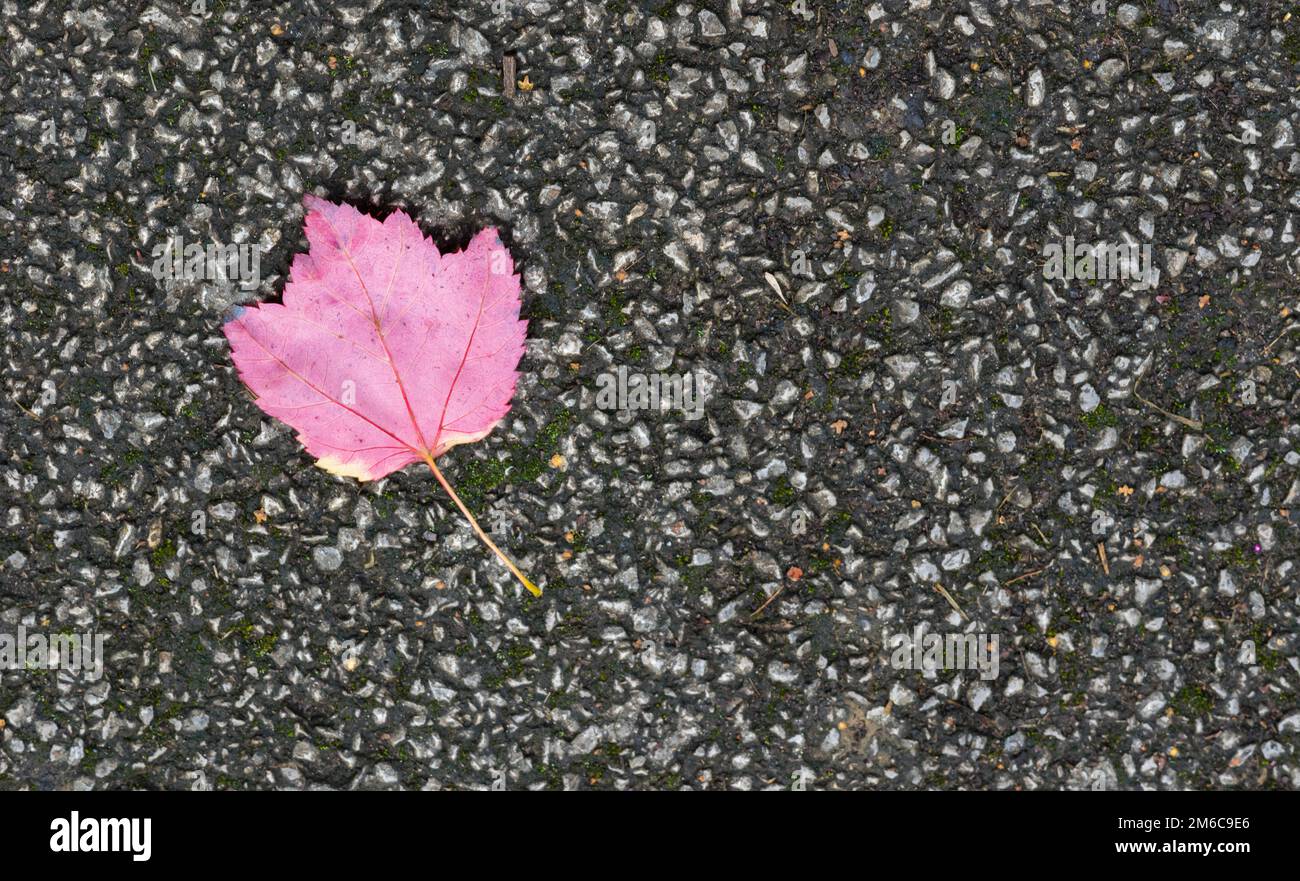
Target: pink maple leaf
<point>386,352</point>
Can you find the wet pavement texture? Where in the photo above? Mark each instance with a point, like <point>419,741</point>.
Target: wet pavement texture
<point>835,218</point>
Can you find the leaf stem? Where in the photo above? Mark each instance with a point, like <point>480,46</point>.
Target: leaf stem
<point>478,530</point>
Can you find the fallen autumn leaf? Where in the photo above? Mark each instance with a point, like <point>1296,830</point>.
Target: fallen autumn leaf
<point>386,352</point>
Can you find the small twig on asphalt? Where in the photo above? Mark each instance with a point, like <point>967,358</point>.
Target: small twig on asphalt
<point>776,593</point>
<point>508,77</point>
<point>1190,423</point>
<point>944,440</point>
<point>1023,577</point>
<point>776,286</point>
<point>1101,554</point>
<point>1007,496</point>
<point>1286,330</point>
<point>947,596</point>
<point>25,410</point>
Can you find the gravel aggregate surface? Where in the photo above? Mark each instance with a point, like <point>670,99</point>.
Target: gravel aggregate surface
<point>835,218</point>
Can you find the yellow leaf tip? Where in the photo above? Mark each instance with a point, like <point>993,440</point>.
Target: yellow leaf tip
<point>335,465</point>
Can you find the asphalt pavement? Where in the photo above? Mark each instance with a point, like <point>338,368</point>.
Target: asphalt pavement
<point>845,229</point>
